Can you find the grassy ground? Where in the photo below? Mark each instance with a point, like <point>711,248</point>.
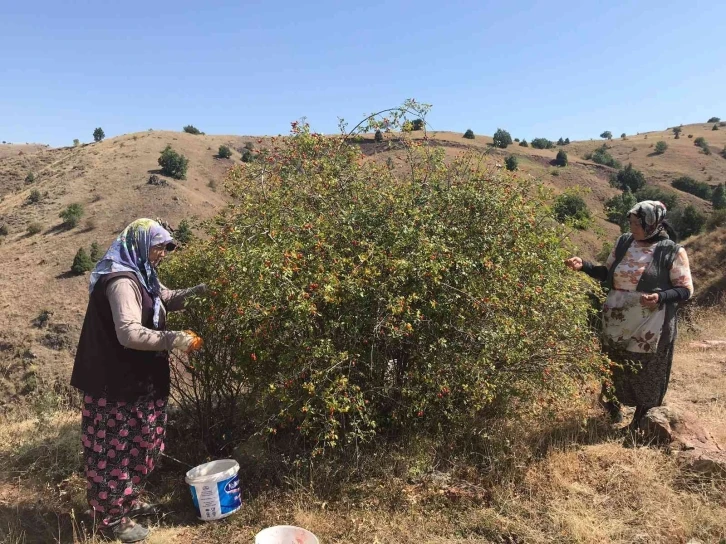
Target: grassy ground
<point>573,481</point>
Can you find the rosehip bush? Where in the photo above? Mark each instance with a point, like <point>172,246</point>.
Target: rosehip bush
<point>347,305</point>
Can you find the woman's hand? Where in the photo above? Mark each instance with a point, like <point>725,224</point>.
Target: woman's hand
<point>574,263</point>
<point>650,300</point>
<point>187,341</point>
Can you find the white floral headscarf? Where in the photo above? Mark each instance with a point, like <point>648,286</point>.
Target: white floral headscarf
<point>651,214</point>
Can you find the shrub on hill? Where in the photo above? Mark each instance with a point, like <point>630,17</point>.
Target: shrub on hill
<point>714,120</point>
<point>34,228</point>
<point>502,139</point>
<point>688,221</point>
<point>247,155</point>
<point>689,185</point>
<point>623,136</point>
<point>718,198</point>
<point>224,152</point>
<point>629,178</point>
<point>607,135</point>
<point>4,229</point>
<point>523,143</point>
<point>378,137</point>
<point>76,142</point>
<point>82,263</point>
<point>469,134</point>
<point>98,134</point>
<point>690,135</point>
<point>601,156</point>
<point>561,159</point>
<point>560,141</point>
<point>618,206</point>
<point>417,124</point>
<point>30,178</point>
<point>511,163</point>
<point>173,164</point>
<point>716,220</point>
<point>651,192</point>
<point>660,147</point>
<point>191,129</point>
<point>71,215</point>
<point>516,140</point>
<point>715,127</point>
<point>571,208</point>
<point>34,196</point>
<point>567,141</point>
<point>183,234</point>
<point>542,143</point>
<point>95,253</point>
<point>349,307</point>
<point>701,142</point>
<point>677,132</point>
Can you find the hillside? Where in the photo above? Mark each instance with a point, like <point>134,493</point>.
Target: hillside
<point>110,180</point>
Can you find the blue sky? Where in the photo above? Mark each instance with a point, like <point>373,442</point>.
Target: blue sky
<point>552,69</point>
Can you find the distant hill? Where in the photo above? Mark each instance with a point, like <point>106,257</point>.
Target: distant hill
<point>110,180</point>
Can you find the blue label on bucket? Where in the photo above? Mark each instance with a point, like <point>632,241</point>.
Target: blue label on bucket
<point>195,500</point>
<point>230,497</point>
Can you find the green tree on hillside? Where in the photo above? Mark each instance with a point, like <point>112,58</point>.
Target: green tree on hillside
<point>714,120</point>
<point>524,143</point>
<point>560,141</point>
<point>378,136</point>
<point>623,136</point>
<point>561,159</point>
<point>224,152</point>
<point>98,134</point>
<point>542,143</point>
<point>629,178</point>
<point>660,147</point>
<point>677,131</point>
<point>511,163</point>
<point>689,185</point>
<point>567,141</point>
<point>617,207</point>
<point>191,129</point>
<point>173,164</point>
<point>502,139</point>
<point>718,198</point>
<point>651,192</point>
<point>469,134</point>
<point>96,253</point>
<point>30,178</point>
<point>418,124</point>
<point>72,215</point>
<point>688,222</point>
<point>34,196</point>
<point>82,263</point>
<point>715,127</point>
<point>571,207</point>
<point>607,135</point>
<point>76,142</point>
<point>183,234</point>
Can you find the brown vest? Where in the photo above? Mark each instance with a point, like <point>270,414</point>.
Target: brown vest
<point>103,367</point>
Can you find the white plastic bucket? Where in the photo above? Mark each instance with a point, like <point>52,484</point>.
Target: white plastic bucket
<point>286,534</point>
<point>215,489</point>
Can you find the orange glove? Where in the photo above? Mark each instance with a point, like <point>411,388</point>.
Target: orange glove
<point>187,341</point>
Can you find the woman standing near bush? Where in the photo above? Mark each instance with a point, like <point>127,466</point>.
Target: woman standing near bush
<point>647,274</point>
<point>122,368</point>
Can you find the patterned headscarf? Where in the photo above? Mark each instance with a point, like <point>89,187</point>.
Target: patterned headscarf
<point>651,214</point>
<point>130,253</point>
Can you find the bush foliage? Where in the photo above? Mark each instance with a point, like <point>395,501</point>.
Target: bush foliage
<point>677,131</point>
<point>34,196</point>
<point>572,208</point>
<point>173,164</point>
<point>34,228</point>
<point>561,159</point>
<point>183,234</point>
<point>650,192</point>
<point>523,143</point>
<point>601,156</point>
<point>718,197</point>
<point>502,139</point>
<point>30,178</point>
<point>542,143</point>
<point>511,163</point>
<point>347,305</point>
<point>688,221</point>
<point>98,135</point>
<point>628,178</point>
<point>191,129</point>
<point>82,263</point>
<point>72,215</point>
<point>469,134</point>
<point>617,207</point>
<point>660,147</point>
<point>224,152</point>
<point>687,184</point>
<point>714,120</point>
<point>607,135</point>
<point>378,136</point>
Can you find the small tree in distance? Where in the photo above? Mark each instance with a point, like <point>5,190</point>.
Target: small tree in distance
<point>718,198</point>
<point>173,164</point>
<point>623,136</point>
<point>76,142</point>
<point>191,129</point>
<point>677,131</point>
<point>183,234</point>
<point>715,126</point>
<point>469,134</point>
<point>71,215</point>
<point>607,135</point>
<point>629,178</point>
<point>98,135</point>
<point>511,163</point>
<point>378,137</point>
<point>561,159</point>
<point>82,263</point>
<point>417,124</point>
<point>502,139</point>
<point>660,147</point>
<point>567,141</point>
<point>95,252</point>
<point>560,141</point>
<point>714,120</point>
<point>523,143</point>
<point>224,152</point>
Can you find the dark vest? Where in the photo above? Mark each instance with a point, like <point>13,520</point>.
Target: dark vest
<point>656,276</point>
<point>103,367</point>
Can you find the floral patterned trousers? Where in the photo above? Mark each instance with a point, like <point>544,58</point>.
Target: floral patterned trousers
<point>122,442</point>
